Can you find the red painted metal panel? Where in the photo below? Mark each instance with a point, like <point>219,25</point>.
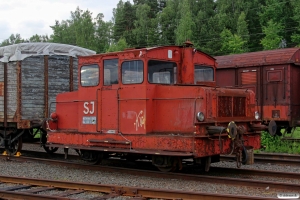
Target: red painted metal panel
<point>109,111</point>
<point>67,109</point>
<point>276,84</point>
<point>153,117</point>
<point>249,78</point>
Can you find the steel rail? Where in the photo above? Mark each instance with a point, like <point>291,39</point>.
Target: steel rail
<point>255,172</point>
<point>121,190</point>
<point>200,178</point>
<point>265,158</point>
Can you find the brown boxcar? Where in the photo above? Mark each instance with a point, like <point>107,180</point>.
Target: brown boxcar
<point>159,103</point>
<point>31,75</point>
<point>274,76</point>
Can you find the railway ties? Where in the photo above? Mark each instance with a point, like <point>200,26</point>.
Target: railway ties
<point>66,189</point>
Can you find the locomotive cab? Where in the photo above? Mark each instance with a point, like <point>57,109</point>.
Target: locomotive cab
<point>160,103</point>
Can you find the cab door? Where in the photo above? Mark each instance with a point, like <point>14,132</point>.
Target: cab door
<point>87,102</point>
<point>107,98</point>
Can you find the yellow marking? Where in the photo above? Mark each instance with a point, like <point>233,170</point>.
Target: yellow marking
<point>18,154</point>
<point>4,153</point>
<point>157,153</point>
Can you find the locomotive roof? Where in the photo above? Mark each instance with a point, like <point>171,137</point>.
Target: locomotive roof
<point>151,49</point>
<point>17,52</point>
<point>270,57</point>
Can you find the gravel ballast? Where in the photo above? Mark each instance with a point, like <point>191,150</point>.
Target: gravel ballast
<point>44,171</point>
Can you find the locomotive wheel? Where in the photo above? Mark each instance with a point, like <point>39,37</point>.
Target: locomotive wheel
<point>244,155</point>
<point>49,150</point>
<point>166,163</point>
<point>14,147</point>
<point>91,157</point>
<point>166,169</point>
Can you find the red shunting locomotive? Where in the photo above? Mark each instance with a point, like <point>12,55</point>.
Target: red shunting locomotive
<point>159,103</point>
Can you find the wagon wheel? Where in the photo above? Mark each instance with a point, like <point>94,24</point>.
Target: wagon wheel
<point>49,150</point>
<point>91,157</point>
<point>14,147</point>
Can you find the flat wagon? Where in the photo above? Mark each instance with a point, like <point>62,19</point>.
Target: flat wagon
<point>31,75</point>
<point>274,76</point>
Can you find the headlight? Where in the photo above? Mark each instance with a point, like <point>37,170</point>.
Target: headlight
<point>256,115</point>
<point>200,116</point>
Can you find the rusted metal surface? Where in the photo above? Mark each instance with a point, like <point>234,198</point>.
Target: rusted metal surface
<point>272,75</point>
<point>148,117</point>
<point>136,191</point>
<point>275,160</point>
<point>253,172</point>
<point>271,57</point>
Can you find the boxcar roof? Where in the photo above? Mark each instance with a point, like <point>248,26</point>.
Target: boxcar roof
<point>270,57</point>
<point>17,52</point>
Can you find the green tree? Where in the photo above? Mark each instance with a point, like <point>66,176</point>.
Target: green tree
<point>205,32</point>
<point>13,39</point>
<point>242,31</point>
<point>119,46</point>
<point>63,32</point>
<point>168,20</point>
<point>103,34</point>
<point>184,30</point>
<point>123,19</point>
<point>281,13</point>
<point>273,36</point>
<point>145,26</point>
<point>232,43</point>
<point>295,38</point>
<point>84,27</point>
<point>39,38</point>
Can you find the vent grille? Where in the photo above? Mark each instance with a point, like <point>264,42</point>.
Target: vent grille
<point>231,106</point>
<point>248,78</point>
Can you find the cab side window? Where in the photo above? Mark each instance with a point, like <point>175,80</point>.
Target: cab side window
<point>111,72</point>
<point>132,72</point>
<point>203,73</point>
<point>162,72</point>
<point>89,75</point>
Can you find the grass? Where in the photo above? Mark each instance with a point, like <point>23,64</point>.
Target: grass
<point>276,144</point>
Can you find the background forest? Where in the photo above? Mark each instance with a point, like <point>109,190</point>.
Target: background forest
<point>217,27</point>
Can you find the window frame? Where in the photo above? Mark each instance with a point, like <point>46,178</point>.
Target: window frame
<point>143,72</point>
<point>87,65</point>
<point>175,78</point>
<point>204,66</point>
<point>104,72</point>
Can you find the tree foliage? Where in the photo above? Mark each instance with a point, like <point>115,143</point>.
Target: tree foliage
<point>216,27</point>
<point>272,37</point>
<point>13,39</point>
<point>186,24</point>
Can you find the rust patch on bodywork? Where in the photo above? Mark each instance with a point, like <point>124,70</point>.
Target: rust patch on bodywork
<point>1,88</point>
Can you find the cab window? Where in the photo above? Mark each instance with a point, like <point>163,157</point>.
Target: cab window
<point>111,71</point>
<point>132,72</point>
<point>203,73</point>
<point>89,75</point>
<point>162,72</point>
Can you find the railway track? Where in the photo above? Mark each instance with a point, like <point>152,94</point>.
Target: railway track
<point>31,187</point>
<point>184,176</point>
<point>281,159</point>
